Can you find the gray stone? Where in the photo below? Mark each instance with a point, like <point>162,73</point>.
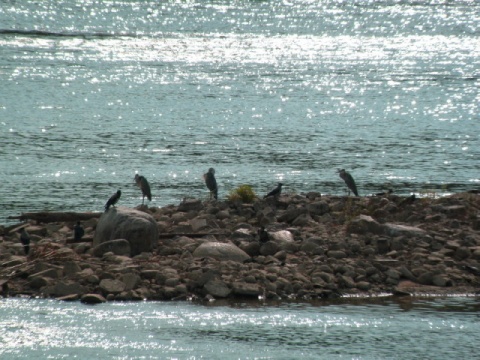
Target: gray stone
<point>137,227</point>
<point>71,268</point>
<point>337,254</point>
<point>131,281</point>
<point>110,286</point>
<point>402,230</point>
<point>67,288</point>
<point>190,205</point>
<point>244,289</point>
<point>318,208</point>
<point>363,224</point>
<point>221,252</point>
<point>217,288</point>
<point>198,224</point>
<point>92,299</point>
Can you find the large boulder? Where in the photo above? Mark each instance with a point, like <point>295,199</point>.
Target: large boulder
<point>221,251</point>
<point>137,227</point>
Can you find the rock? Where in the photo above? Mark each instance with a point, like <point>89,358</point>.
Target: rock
<point>118,247</point>
<point>198,224</point>
<point>337,254</point>
<point>110,286</point>
<point>363,285</point>
<point>221,252</point>
<point>67,288</point>
<point>138,228</point>
<point>364,224</point>
<point>37,282</point>
<point>131,281</point>
<point>190,205</point>
<point>318,208</point>
<point>291,214</point>
<point>244,289</point>
<point>217,288</point>
<point>403,230</point>
<point>282,236</point>
<point>71,268</point>
<point>92,299</point>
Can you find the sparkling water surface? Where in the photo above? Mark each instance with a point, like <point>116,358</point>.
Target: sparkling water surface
<point>444,328</point>
<point>263,91</point>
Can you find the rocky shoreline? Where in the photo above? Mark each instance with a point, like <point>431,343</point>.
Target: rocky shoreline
<point>312,247</point>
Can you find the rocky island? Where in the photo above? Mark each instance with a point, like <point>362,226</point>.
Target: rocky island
<point>298,246</point>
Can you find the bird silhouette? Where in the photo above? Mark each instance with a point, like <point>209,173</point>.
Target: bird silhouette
<point>113,200</point>
<point>349,181</point>
<point>143,184</point>
<point>275,192</point>
<point>211,182</point>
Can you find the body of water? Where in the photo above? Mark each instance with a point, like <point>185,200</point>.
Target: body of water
<point>440,329</point>
<point>263,91</point>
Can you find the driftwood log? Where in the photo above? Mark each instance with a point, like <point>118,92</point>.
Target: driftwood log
<point>49,217</point>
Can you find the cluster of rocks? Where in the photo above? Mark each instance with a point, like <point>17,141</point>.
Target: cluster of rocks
<point>294,247</point>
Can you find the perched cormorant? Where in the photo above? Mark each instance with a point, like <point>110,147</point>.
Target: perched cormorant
<point>275,192</point>
<point>263,236</point>
<point>143,184</point>
<point>349,181</point>
<point>78,231</point>
<point>25,240</point>
<point>211,182</point>
<point>113,200</point>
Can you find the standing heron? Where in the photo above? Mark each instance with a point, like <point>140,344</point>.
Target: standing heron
<point>211,183</point>
<point>275,192</point>
<point>349,181</point>
<point>113,200</point>
<point>143,184</point>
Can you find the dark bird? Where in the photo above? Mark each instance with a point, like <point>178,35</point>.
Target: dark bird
<point>113,200</point>
<point>349,181</point>
<point>275,192</point>
<point>263,236</point>
<point>143,184</point>
<point>211,182</point>
<point>78,231</point>
<point>25,240</point>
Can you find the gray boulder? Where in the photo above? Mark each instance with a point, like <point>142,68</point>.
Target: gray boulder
<point>137,227</point>
<point>221,252</point>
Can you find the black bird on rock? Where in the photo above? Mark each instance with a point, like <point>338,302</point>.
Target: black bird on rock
<point>263,236</point>
<point>143,184</point>
<point>113,200</point>
<point>349,181</point>
<point>275,192</point>
<point>211,182</point>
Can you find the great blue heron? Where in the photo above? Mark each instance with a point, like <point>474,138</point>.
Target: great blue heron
<point>349,181</point>
<point>143,184</point>
<point>275,192</point>
<point>211,182</point>
<point>113,200</point>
